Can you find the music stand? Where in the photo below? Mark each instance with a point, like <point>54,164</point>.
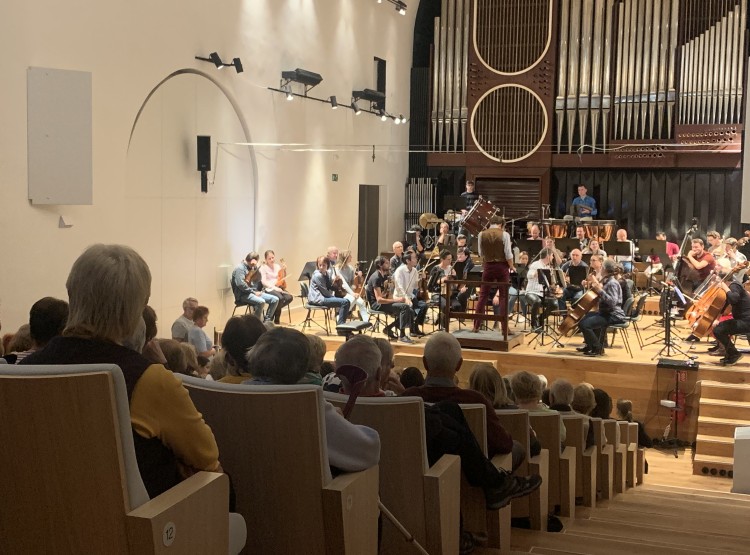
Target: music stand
<point>587,259</point>
<point>577,274</point>
<point>566,245</point>
<point>308,271</point>
<point>531,246</point>
<point>543,329</point>
<point>620,248</point>
<point>651,248</point>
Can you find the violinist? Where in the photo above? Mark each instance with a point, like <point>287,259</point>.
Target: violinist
<point>594,324</point>
<point>733,255</point>
<point>595,267</point>
<point>739,324</point>
<point>274,283</point>
<point>406,284</point>
<point>556,257</point>
<point>536,299</point>
<point>348,273</point>
<point>572,291</point>
<point>321,290</point>
<point>342,287</point>
<point>495,249</point>
<point>248,290</point>
<point>381,300</point>
<point>439,275</point>
<point>463,266</point>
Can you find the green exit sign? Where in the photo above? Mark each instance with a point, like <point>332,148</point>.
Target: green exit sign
<point>334,177</point>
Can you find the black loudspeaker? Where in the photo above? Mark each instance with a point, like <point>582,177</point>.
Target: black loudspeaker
<point>204,153</point>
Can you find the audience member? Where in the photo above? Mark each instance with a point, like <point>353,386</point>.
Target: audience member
<point>137,339</point>
<point>47,319</point>
<point>182,325</point>
<point>199,338</point>
<point>108,287</point>
<point>191,358</point>
<point>625,412</point>
<point>318,350</point>
<point>176,360</point>
<point>411,377</point>
<point>390,382</point>
<point>583,403</point>
<point>280,357</point>
<point>218,367</point>
<point>527,390</point>
<point>240,334</point>
<point>442,359</point>
<point>487,380</point>
<point>603,408</point>
<point>204,368</point>
<point>21,340</point>
<point>363,352</point>
<point>152,350</point>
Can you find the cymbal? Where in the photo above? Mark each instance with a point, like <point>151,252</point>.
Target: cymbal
<point>452,216</point>
<point>428,220</point>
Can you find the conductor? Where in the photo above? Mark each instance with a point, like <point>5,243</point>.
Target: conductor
<point>583,206</point>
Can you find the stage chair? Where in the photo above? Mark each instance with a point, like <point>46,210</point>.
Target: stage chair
<point>381,318</point>
<point>424,499</point>
<point>612,429</point>
<point>605,466</point>
<point>476,518</point>
<point>272,443</point>
<point>535,506</point>
<point>72,484</point>
<point>562,462</point>
<point>304,291</point>
<point>636,315</point>
<point>586,460</point>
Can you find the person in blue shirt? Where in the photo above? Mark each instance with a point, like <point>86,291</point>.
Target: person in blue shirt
<point>584,206</point>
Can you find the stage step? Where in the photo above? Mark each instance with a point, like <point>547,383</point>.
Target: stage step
<point>719,427</point>
<point>713,465</point>
<point>721,408</point>
<point>726,391</point>
<point>727,374</point>
<point>713,445</point>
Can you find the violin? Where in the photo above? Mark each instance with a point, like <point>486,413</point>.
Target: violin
<point>337,285</point>
<point>281,277</point>
<point>250,276</point>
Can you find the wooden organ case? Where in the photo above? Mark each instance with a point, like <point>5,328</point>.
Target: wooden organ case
<point>523,89</point>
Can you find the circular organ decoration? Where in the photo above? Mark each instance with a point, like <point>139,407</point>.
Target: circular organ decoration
<point>509,123</point>
<point>511,36</point>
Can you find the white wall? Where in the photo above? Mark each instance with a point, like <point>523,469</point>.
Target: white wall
<point>148,196</point>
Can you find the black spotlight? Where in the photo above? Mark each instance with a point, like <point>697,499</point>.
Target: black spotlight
<point>214,57</point>
<point>237,65</point>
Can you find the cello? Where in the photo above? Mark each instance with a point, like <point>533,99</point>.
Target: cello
<point>709,307</point>
<point>587,303</point>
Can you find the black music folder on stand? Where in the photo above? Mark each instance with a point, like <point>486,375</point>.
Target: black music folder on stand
<point>567,245</point>
<point>577,274</point>
<point>308,271</point>
<point>619,248</point>
<point>531,246</point>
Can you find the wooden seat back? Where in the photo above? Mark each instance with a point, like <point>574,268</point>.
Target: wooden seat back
<point>586,470</point>
<point>72,483</point>
<point>425,500</point>
<point>272,442</point>
<point>605,451</point>
<point>612,429</point>
<point>562,462</point>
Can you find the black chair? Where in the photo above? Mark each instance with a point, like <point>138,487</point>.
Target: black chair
<point>381,318</point>
<point>623,327</point>
<point>239,304</point>
<point>311,309</point>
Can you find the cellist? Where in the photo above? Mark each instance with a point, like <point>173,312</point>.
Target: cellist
<point>594,324</point>
<point>739,324</point>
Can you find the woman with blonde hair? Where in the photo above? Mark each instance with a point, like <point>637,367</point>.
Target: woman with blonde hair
<point>487,380</point>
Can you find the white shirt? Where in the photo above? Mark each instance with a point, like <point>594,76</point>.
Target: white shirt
<point>269,275</point>
<point>534,278</point>
<point>405,282</point>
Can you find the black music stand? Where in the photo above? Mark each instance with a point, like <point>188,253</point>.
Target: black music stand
<point>308,271</point>
<point>544,330</point>
<point>567,245</point>
<point>619,248</point>
<point>531,246</point>
<point>670,347</point>
<point>577,274</point>
<point>651,248</point>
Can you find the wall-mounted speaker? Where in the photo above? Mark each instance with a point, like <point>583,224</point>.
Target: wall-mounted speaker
<point>204,153</point>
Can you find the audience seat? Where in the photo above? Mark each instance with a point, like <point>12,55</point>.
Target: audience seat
<point>273,444</point>
<point>605,450</point>
<point>424,499</point>
<point>562,462</point>
<point>71,482</point>
<point>586,460</point>
<point>476,518</point>
<point>535,506</point>
<point>612,429</point>
<point>631,461</point>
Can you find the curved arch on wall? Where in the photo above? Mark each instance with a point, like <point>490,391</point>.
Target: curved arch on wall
<point>240,119</point>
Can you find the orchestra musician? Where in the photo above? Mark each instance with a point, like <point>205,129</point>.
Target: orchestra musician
<point>321,290</point>
<point>572,291</point>
<point>626,261</point>
<point>445,239</point>
<point>583,206</point>
<point>595,267</point>
<point>535,233</point>
<point>440,274</point>
<point>333,274</point>
<point>497,254</point>
<point>406,285</point>
<point>417,246</point>
<point>556,257</point>
<point>700,260</point>
<point>273,284</point>
<point>463,266</point>
<point>739,324</point>
<point>673,252</point>
<point>594,248</point>
<point>380,299</point>
<point>518,281</point>
<point>715,243</point>
<point>580,234</point>
<point>461,241</point>
<point>733,255</point>
<point>347,272</point>
<point>470,198</point>
<point>538,303</point>
<point>398,252</point>
<point>594,324</point>
<point>248,290</point>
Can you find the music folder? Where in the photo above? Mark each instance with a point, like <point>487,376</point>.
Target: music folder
<point>577,274</point>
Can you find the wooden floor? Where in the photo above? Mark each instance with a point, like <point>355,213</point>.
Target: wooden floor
<point>674,511</point>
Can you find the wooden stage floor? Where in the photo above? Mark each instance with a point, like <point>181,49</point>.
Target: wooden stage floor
<point>637,378</point>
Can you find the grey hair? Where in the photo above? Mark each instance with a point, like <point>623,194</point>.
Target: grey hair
<point>137,339</point>
<point>361,351</point>
<point>386,351</point>
<point>108,287</point>
<point>442,353</point>
<point>187,302</point>
<point>561,392</point>
<point>609,265</point>
<point>280,355</point>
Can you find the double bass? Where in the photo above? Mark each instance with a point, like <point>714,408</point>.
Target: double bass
<point>710,306</point>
